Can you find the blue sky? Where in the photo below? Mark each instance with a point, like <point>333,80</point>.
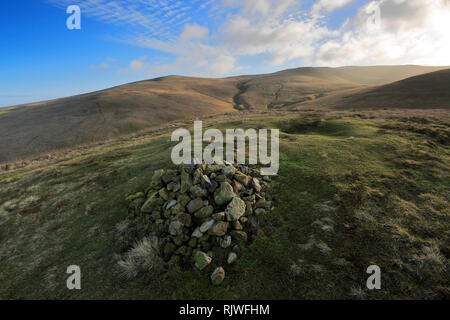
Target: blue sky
<point>122,41</point>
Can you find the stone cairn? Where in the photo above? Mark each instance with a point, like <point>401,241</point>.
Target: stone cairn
<point>204,213</point>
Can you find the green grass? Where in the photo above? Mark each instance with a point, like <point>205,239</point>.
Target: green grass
<point>350,193</point>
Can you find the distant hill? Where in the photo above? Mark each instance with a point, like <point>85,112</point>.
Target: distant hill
<point>427,91</point>
<point>61,123</point>
<point>40,127</point>
<point>289,87</point>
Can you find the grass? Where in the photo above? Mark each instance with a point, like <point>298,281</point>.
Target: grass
<point>351,192</point>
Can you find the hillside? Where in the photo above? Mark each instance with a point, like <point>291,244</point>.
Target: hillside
<point>293,86</point>
<point>428,91</point>
<point>63,123</point>
<point>33,129</point>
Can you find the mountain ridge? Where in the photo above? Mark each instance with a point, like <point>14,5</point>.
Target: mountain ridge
<point>40,127</point>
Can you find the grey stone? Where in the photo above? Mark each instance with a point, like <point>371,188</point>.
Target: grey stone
<point>228,171</point>
<point>198,192</point>
<point>184,199</point>
<point>207,225</point>
<point>197,233</point>
<point>185,219</point>
<point>219,229</point>
<point>194,205</point>
<point>156,178</point>
<point>225,242</point>
<point>218,276</point>
<point>232,257</point>
<point>151,204</point>
<point>169,175</point>
<point>204,212</point>
<point>237,225</point>
<point>197,176</point>
<point>186,181</point>
<point>171,204</point>
<point>176,228</point>
<point>219,216</point>
<point>224,194</point>
<point>205,180</point>
<point>256,185</point>
<point>235,209</point>
<point>213,186</point>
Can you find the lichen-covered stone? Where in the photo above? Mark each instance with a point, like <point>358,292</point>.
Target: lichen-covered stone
<point>156,178</point>
<point>239,236</point>
<point>185,219</point>
<point>225,242</point>
<point>201,260</point>
<point>219,229</point>
<point>235,209</point>
<point>198,192</point>
<point>228,171</point>
<point>176,228</point>
<point>219,216</point>
<point>151,204</point>
<point>224,194</point>
<point>204,212</point>
<point>186,181</point>
<point>197,233</point>
<point>194,205</point>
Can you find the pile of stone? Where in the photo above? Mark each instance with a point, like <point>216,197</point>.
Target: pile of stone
<point>204,214</point>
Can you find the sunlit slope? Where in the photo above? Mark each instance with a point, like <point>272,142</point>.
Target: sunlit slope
<point>293,86</point>
<point>428,91</point>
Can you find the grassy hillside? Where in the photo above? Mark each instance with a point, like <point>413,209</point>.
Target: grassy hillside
<point>352,191</point>
<point>63,123</point>
<point>38,128</point>
<point>427,91</point>
<point>293,86</point>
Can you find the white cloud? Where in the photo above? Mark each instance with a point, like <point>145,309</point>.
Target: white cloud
<point>194,31</point>
<point>105,65</point>
<point>138,64</point>
<point>158,18</point>
<point>222,65</point>
<point>410,32</point>
<point>329,5</point>
<point>269,9</point>
<point>275,29</point>
<point>283,41</point>
<point>100,67</point>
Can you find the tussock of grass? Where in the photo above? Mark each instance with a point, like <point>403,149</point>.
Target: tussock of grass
<point>143,257</point>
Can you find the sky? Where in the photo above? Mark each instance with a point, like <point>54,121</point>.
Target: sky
<point>122,41</point>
